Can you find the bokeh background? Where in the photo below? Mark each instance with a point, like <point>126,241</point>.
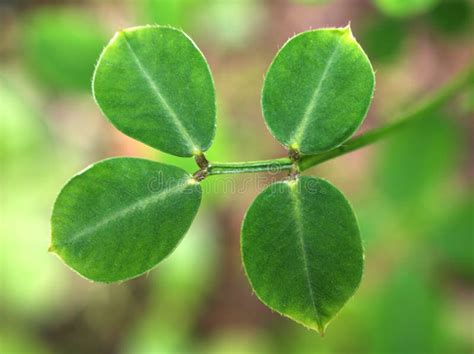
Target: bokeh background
<point>412,193</point>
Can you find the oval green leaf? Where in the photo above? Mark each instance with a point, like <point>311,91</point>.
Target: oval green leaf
<point>318,90</point>
<point>120,217</point>
<point>302,251</point>
<point>154,85</point>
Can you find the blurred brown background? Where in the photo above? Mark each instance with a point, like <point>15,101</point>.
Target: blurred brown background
<point>412,194</point>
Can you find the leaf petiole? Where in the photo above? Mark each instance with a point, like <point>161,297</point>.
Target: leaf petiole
<point>431,102</point>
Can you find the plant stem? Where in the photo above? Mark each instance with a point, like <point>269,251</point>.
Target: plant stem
<point>431,102</point>
<point>275,165</point>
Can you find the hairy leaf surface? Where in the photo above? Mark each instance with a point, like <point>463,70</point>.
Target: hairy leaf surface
<point>318,90</point>
<point>302,250</point>
<point>120,217</point>
<point>154,85</point>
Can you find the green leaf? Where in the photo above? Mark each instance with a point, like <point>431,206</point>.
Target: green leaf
<point>404,8</point>
<point>154,85</point>
<point>120,217</point>
<point>302,250</point>
<point>318,90</point>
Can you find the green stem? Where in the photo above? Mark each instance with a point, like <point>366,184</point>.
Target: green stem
<point>433,101</point>
<point>430,103</point>
<point>275,165</point>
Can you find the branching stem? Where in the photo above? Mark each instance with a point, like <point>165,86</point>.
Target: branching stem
<point>431,102</point>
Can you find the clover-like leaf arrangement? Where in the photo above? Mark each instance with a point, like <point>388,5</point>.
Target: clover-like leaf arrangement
<point>301,246</point>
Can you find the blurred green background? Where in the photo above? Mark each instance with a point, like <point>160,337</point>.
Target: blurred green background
<point>412,193</point>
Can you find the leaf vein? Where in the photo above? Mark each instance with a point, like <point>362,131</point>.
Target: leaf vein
<point>122,213</point>
<point>300,130</point>
<point>157,92</point>
<point>299,232</point>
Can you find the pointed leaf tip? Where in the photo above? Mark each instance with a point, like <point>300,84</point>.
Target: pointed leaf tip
<point>327,107</point>
<point>322,332</point>
<point>302,251</point>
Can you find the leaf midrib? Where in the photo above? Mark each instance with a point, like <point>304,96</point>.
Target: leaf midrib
<point>140,204</point>
<point>299,231</point>
<point>298,136</point>
<point>157,93</point>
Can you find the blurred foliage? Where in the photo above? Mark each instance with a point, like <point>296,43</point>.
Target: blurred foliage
<point>237,342</point>
<point>232,23</point>
<point>166,328</point>
<point>454,238</point>
<point>414,166</point>
<point>27,163</point>
<point>452,16</point>
<point>468,101</point>
<point>72,39</point>
<point>416,213</point>
<point>407,308</point>
<point>311,2</point>
<point>21,131</point>
<point>176,13</point>
<point>404,8</point>
<point>383,39</point>
<point>15,342</point>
